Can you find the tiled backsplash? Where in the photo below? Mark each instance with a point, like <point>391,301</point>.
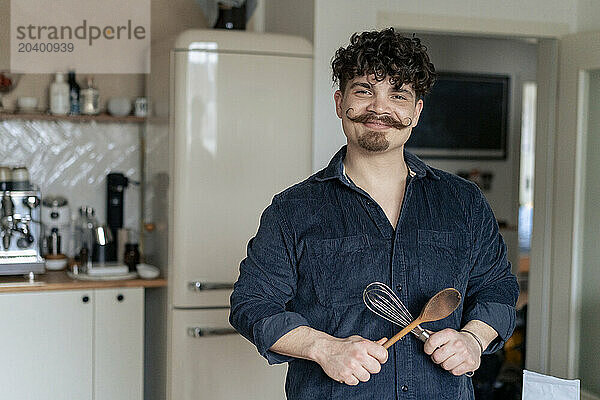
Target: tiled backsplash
<point>72,159</point>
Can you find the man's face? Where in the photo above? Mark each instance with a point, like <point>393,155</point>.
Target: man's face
<point>377,116</point>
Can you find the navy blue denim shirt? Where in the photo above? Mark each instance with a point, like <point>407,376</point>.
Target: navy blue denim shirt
<point>321,241</point>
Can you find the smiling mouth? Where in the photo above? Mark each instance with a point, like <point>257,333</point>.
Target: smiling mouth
<point>376,125</point>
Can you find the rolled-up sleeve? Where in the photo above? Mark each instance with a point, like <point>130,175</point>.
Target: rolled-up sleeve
<point>267,281</point>
<point>492,290</point>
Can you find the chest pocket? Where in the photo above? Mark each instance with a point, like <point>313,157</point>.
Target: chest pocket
<point>341,268</point>
<point>443,261</point>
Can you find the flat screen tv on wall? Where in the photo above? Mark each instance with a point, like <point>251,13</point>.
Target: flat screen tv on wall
<point>464,116</point>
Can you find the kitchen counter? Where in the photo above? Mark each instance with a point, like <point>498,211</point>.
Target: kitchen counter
<point>58,280</point>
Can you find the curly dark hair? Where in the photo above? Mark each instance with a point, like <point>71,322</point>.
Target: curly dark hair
<point>385,53</point>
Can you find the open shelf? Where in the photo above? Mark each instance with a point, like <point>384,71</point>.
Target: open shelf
<point>105,118</point>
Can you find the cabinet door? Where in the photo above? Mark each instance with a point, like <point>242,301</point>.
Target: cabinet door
<point>46,345</point>
<point>119,344</point>
<point>212,363</point>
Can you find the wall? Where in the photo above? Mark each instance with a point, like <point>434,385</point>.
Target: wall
<point>4,34</point>
<point>588,15</point>
<point>291,17</point>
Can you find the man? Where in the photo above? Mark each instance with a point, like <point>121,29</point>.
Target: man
<point>376,213</point>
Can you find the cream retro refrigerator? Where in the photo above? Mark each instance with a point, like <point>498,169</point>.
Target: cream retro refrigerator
<point>239,131</point>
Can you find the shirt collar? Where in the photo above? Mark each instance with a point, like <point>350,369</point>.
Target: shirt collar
<point>335,169</point>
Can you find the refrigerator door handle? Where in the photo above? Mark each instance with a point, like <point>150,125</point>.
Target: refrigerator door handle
<point>202,332</point>
<point>199,286</point>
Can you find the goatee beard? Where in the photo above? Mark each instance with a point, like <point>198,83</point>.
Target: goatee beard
<point>373,141</point>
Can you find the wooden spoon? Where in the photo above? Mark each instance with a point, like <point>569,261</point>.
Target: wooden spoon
<point>442,304</point>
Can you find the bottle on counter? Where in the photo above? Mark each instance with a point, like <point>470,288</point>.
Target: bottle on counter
<point>131,258</point>
<point>59,95</point>
<point>74,91</point>
<point>90,98</point>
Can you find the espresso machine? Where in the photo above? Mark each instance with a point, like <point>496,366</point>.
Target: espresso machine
<point>20,251</point>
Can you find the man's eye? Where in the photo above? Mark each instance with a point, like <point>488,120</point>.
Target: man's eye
<point>362,92</point>
<point>399,97</point>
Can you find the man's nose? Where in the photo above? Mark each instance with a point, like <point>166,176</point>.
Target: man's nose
<point>379,105</point>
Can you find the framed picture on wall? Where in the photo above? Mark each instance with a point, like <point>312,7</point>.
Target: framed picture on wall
<point>464,116</point>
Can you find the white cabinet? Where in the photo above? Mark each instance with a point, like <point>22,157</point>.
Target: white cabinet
<point>119,344</point>
<point>46,345</point>
<point>73,344</point>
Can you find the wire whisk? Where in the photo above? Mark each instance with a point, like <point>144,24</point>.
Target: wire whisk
<point>382,301</point>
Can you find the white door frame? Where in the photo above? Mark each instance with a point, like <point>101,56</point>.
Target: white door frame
<point>540,270</point>
<point>540,288</point>
<point>579,53</point>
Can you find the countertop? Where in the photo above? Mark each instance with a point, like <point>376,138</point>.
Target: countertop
<point>58,280</point>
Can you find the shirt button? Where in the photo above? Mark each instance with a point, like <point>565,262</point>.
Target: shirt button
<point>398,287</point>
<point>404,388</point>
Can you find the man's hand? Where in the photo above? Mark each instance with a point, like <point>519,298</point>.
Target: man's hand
<point>350,360</point>
<point>457,352</point>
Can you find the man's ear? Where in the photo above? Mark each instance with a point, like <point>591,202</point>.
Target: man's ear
<point>338,97</point>
<point>418,109</point>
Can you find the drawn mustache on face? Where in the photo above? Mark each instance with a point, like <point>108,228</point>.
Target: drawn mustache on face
<point>384,119</point>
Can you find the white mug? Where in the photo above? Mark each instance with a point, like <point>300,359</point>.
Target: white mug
<point>141,107</point>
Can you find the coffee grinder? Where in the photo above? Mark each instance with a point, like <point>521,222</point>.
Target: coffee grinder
<point>56,220</point>
<point>116,183</point>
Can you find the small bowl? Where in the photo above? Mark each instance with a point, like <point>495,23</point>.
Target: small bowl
<point>56,264</point>
<point>27,103</point>
<point>146,271</point>
<point>119,106</point>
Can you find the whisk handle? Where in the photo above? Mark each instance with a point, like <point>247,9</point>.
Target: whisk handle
<point>401,334</point>
<point>421,334</point>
